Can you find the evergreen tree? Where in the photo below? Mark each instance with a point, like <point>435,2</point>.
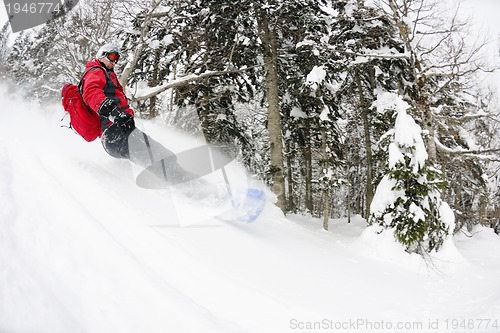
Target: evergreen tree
<point>408,199</point>
<point>43,60</point>
<point>444,66</point>
<point>4,39</point>
<point>374,58</point>
<point>18,58</point>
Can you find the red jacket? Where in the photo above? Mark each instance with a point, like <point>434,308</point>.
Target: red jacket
<point>95,89</point>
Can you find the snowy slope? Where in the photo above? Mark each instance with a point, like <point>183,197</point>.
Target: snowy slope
<point>83,249</point>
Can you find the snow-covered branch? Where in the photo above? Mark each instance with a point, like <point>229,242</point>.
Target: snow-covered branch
<point>477,154</point>
<point>182,81</point>
<point>381,55</point>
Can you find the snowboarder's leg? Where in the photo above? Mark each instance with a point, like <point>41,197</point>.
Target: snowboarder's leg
<point>158,160</point>
<point>115,141</point>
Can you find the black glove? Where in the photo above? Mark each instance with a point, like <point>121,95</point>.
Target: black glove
<point>125,121</point>
<point>108,108</point>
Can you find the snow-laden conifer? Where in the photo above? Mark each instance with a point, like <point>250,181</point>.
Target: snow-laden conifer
<point>407,200</point>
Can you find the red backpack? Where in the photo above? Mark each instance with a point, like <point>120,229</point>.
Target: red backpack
<point>83,120</point>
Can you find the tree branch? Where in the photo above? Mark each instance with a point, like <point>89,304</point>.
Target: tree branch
<point>477,154</point>
<point>125,77</point>
<point>185,80</point>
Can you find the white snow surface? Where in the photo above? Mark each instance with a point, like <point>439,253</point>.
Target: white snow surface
<point>83,249</point>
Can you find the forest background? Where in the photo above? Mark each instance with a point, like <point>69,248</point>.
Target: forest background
<point>297,87</point>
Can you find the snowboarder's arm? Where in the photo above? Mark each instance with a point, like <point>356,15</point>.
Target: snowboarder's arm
<point>93,89</point>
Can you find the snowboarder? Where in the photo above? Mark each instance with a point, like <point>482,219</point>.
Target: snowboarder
<point>103,94</point>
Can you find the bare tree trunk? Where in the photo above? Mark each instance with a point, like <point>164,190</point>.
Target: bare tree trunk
<point>306,151</point>
<point>423,103</point>
<point>349,197</point>
<point>368,147</point>
<point>153,83</point>
<point>131,65</point>
<point>428,119</point>
<point>268,39</point>
<point>291,201</point>
<point>326,199</point>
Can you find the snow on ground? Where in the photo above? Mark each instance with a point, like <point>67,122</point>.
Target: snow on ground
<point>83,249</point>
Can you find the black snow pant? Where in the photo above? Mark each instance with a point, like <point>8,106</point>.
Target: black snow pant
<point>142,150</point>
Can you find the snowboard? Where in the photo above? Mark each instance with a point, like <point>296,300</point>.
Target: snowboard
<point>247,208</point>
<point>184,171</point>
<point>183,167</point>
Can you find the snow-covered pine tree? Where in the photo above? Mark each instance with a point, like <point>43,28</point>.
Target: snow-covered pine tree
<point>373,56</point>
<point>408,200</point>
<point>446,65</point>
<point>4,39</point>
<point>43,59</point>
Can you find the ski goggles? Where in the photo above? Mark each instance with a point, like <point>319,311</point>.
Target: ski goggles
<point>113,57</point>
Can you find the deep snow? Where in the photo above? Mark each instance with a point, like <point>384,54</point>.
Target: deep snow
<point>83,249</point>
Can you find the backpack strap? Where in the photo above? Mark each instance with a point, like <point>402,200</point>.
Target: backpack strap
<point>109,82</point>
<point>108,78</point>
<point>110,85</point>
